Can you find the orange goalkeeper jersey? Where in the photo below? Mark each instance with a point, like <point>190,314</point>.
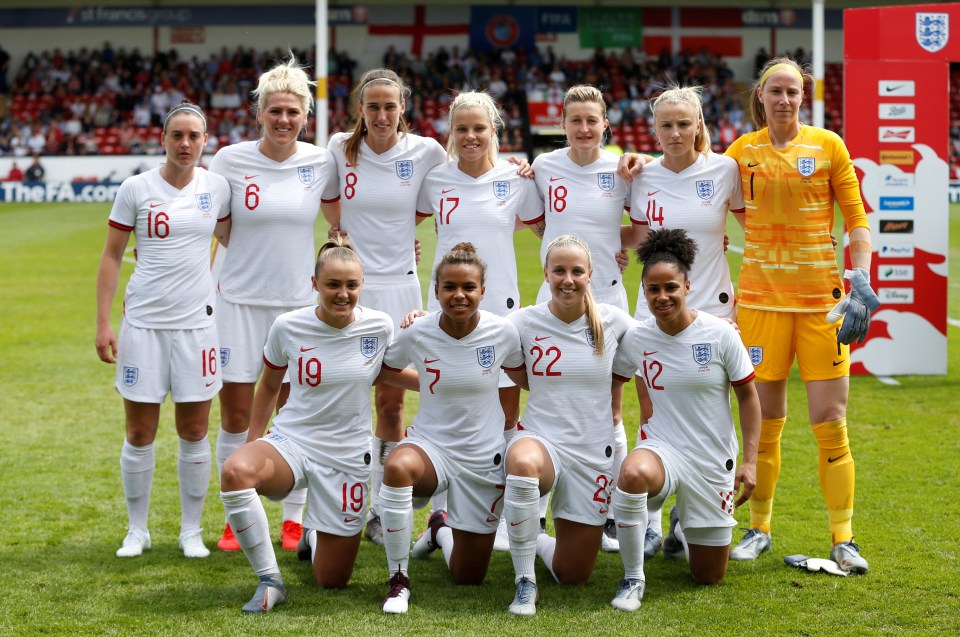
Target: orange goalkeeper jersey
<point>789,262</point>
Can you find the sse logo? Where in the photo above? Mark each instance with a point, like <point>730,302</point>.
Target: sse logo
<point>896,226</point>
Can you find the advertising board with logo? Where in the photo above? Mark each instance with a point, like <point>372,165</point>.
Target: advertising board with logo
<point>896,85</point>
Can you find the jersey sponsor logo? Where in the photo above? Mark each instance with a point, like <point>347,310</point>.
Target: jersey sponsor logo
<point>491,519</point>
<point>501,189</point>
<point>702,353</point>
<point>752,164</point>
<point>902,88</point>
<point>130,375</point>
<point>540,338</point>
<point>646,353</point>
<point>933,31</point>
<point>350,520</point>
<point>368,345</point>
<point>211,383</point>
<point>705,189</point>
<point>588,334</point>
<point>806,165</point>
<point>306,175</point>
<point>831,459</point>
<point>650,194</point>
<point>486,356</point>
<point>605,181</point>
<point>428,361</point>
<point>519,523</point>
<point>205,202</point>
<point>224,356</point>
<point>404,168</point>
<point>553,179</point>
<point>756,354</point>
<point>446,190</point>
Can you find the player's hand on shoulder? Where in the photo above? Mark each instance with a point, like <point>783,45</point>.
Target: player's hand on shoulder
<point>525,169</point>
<point>335,232</point>
<point>410,318</point>
<point>623,259</point>
<point>632,163</point>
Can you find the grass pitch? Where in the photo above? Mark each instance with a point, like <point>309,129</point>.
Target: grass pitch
<point>63,513</point>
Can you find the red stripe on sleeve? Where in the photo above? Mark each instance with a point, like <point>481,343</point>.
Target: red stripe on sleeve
<point>513,369</point>
<point>537,220</point>
<point>424,214</point>
<point>738,210</point>
<point>271,365</point>
<point>119,226</point>
<point>224,218</point>
<point>392,369</point>
<point>639,223</point>
<point>622,379</point>
<point>337,198</point>
<point>744,381</point>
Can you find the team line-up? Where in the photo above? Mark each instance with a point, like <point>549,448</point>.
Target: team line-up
<point>318,333</point>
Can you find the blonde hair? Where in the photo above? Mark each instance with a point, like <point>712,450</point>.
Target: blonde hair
<point>351,145</point>
<point>483,101</point>
<point>286,77</point>
<point>337,249</point>
<point>593,314</point>
<point>689,95</point>
<point>757,111</point>
<point>582,93</point>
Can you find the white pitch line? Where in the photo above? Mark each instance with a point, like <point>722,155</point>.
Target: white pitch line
<point>733,248</point>
<point>954,322</point>
<point>888,380</point>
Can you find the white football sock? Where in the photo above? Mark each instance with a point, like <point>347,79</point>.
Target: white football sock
<point>293,505</point>
<point>546,547</point>
<point>678,531</point>
<point>620,452</point>
<point>520,509</point>
<point>248,519</point>
<point>136,473</point>
<point>227,443</point>
<point>396,520</point>
<point>655,520</point>
<point>630,511</point>
<point>444,540</point>
<point>379,450</point>
<point>193,472</point>
<point>542,506</point>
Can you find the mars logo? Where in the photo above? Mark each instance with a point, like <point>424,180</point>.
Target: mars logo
<point>897,134</point>
<point>896,226</point>
<point>404,169</point>
<point>933,31</point>
<point>502,31</point>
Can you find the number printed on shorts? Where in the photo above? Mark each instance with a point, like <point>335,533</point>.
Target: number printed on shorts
<point>353,497</point>
<point>549,357</point>
<point>602,495</point>
<point>452,203</point>
<point>251,199</point>
<point>308,371</point>
<point>726,502</point>
<point>502,489</point>
<point>350,191</point>
<point>157,225</point>
<point>651,372</point>
<point>208,360</point>
<point>557,197</point>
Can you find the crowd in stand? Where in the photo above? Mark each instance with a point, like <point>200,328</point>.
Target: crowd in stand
<point>109,101</point>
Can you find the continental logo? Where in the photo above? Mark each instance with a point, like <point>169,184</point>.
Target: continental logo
<point>897,157</point>
<point>896,226</point>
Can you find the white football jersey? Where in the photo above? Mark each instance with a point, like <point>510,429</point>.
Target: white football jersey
<point>378,202</point>
<point>459,401</point>
<point>585,201</point>
<point>171,286</point>
<point>331,372</point>
<point>688,377</point>
<point>274,207</point>
<point>697,200</point>
<point>482,211</point>
<point>569,402</point>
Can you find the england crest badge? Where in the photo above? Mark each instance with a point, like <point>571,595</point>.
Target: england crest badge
<point>404,169</point>
<point>588,334</point>
<point>701,353</point>
<point>205,202</point>
<point>756,354</point>
<point>806,165</point>
<point>605,181</point>
<point>501,189</point>
<point>933,31</point>
<point>368,345</point>
<point>705,189</point>
<point>130,375</point>
<point>486,356</point>
<point>224,356</point>
<point>306,174</point>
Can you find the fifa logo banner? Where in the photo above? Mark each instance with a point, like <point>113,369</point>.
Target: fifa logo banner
<point>896,83</point>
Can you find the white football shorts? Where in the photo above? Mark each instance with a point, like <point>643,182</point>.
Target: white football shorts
<point>243,331</point>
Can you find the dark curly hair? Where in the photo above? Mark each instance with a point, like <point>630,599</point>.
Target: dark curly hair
<point>464,253</point>
<point>669,245</point>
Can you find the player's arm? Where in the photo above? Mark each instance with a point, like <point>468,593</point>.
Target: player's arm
<point>519,377</point>
<point>331,212</point>
<point>108,276</point>
<point>406,378</point>
<point>633,235</point>
<point>222,230</point>
<point>749,403</point>
<point>536,227</point>
<point>265,400</point>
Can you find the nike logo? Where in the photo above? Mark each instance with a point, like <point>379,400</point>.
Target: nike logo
<point>891,89</point>
<point>650,194</point>
<point>250,176</point>
<point>349,165</point>
<point>625,526</point>
<point>646,353</point>
<point>446,190</point>
<point>154,205</point>
<point>839,362</point>
<point>553,179</point>
<point>838,457</point>
<point>540,338</point>
<point>389,530</point>
<point>518,523</point>
<point>211,383</point>
<point>427,361</point>
<point>603,511</point>
<point>245,528</point>
<point>306,349</point>
<point>753,165</point>
<point>350,520</point>
<point>491,520</point>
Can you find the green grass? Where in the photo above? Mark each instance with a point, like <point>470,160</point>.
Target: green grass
<point>61,428</point>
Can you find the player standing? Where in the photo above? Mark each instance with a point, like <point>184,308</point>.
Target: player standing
<point>567,447</point>
<point>168,340</point>
<point>688,359</point>
<point>278,185</point>
<point>381,166</point>
<point>320,440</point>
<point>792,174</point>
<point>456,443</point>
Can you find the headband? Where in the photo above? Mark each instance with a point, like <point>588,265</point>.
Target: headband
<point>777,68</point>
<point>188,107</point>
<point>380,79</point>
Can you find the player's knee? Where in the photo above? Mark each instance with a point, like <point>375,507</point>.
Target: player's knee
<point>401,469</point>
<point>468,577</point>
<point>332,580</point>
<point>237,475</point>
<point>634,476</point>
<point>570,576</point>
